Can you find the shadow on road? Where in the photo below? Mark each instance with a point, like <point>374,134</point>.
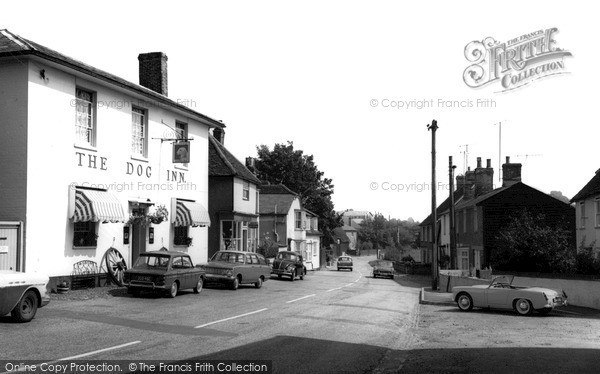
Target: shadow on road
<point>413,281</point>
<point>566,312</point>
<point>291,354</point>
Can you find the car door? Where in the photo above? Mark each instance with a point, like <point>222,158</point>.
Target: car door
<point>188,272</point>
<point>497,296</point>
<point>254,266</point>
<point>178,272</point>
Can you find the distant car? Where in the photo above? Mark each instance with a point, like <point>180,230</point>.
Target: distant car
<point>21,294</point>
<point>233,268</point>
<point>501,294</point>
<point>344,262</point>
<point>383,269</point>
<point>163,271</point>
<point>290,264</point>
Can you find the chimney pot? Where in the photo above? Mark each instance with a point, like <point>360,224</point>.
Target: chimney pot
<point>153,71</point>
<point>478,162</point>
<point>489,163</point>
<point>508,159</point>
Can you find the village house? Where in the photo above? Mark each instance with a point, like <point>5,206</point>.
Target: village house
<point>92,162</point>
<point>233,195</point>
<point>286,224</point>
<point>482,211</point>
<point>587,203</point>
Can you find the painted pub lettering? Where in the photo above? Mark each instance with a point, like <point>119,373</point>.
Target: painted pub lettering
<point>139,170</point>
<point>91,161</point>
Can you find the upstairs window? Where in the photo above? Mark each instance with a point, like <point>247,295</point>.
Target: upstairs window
<point>85,127</point>
<point>582,216</point>
<point>139,138</point>
<point>246,191</point>
<point>299,222</point>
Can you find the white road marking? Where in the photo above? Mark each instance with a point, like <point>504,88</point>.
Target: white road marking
<point>349,284</point>
<point>98,351</point>
<point>300,298</point>
<point>333,289</point>
<point>230,318</point>
<point>81,355</point>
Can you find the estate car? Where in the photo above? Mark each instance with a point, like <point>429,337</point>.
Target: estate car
<point>233,268</point>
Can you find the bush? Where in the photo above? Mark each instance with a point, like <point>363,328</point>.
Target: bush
<point>407,259</point>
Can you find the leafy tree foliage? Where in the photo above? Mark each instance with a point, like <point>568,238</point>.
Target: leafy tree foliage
<point>532,245</point>
<point>393,233</point>
<point>291,167</point>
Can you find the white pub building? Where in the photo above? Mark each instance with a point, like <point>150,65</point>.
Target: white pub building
<point>90,163</point>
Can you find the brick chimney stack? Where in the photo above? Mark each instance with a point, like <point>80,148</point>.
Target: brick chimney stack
<point>460,182</point>
<point>484,178</point>
<point>153,71</point>
<point>469,184</point>
<point>219,134</point>
<point>511,173</point>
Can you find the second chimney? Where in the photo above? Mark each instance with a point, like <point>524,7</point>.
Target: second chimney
<point>153,71</point>
<point>219,134</point>
<point>511,173</point>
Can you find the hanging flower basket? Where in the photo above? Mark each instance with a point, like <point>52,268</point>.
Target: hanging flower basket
<point>156,217</point>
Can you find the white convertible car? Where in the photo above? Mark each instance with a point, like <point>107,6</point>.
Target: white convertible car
<point>21,294</point>
<point>501,294</point>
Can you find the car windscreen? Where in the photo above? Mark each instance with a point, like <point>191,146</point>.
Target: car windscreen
<point>152,262</point>
<point>286,256</point>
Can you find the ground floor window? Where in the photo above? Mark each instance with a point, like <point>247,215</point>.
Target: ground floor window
<point>181,235</point>
<point>238,236</point>
<point>84,234</point>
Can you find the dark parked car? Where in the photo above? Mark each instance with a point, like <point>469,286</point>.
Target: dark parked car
<point>163,271</point>
<point>290,264</point>
<point>344,262</point>
<point>383,269</point>
<point>235,267</point>
<point>22,294</point>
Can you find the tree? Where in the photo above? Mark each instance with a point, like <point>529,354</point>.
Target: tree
<point>530,244</point>
<point>297,171</point>
<point>394,233</point>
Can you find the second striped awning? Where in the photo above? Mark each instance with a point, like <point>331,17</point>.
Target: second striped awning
<point>94,205</point>
<point>191,214</point>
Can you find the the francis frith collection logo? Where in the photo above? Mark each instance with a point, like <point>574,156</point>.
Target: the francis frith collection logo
<point>516,62</point>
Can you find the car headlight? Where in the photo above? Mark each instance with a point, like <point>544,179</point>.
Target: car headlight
<point>289,267</point>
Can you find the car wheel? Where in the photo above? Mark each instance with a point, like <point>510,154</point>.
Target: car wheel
<point>338,269</point>
<point>302,274</point>
<point>293,275</point>
<point>173,290</point>
<point>26,308</point>
<point>258,283</point>
<point>464,302</point>
<point>235,284</point>
<point>523,307</point>
<point>199,285</point>
<point>279,276</point>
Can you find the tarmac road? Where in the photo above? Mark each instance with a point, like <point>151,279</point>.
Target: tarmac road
<point>327,323</point>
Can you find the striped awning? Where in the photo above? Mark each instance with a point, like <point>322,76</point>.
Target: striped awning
<point>93,205</point>
<point>191,214</point>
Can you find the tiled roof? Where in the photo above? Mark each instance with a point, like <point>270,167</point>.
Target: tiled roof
<point>221,163</point>
<point>479,199</point>
<point>444,206</point>
<point>276,189</point>
<point>339,232</point>
<point>12,45</point>
<point>276,199</point>
<point>590,189</point>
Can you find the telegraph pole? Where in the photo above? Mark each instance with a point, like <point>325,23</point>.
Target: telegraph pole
<point>452,217</point>
<point>434,266</point>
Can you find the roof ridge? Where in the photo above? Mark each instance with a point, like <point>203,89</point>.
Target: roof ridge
<point>221,155</point>
<point>21,42</point>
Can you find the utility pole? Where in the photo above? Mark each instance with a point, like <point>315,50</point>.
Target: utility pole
<point>452,217</point>
<point>434,266</point>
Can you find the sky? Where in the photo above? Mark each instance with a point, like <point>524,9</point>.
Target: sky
<point>354,83</point>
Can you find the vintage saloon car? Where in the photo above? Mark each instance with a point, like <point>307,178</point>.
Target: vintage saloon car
<point>163,271</point>
<point>501,294</point>
<point>236,267</point>
<point>290,264</point>
<point>344,262</point>
<point>383,268</point>
<point>22,294</point>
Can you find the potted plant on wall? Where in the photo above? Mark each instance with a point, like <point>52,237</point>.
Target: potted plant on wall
<point>62,287</point>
